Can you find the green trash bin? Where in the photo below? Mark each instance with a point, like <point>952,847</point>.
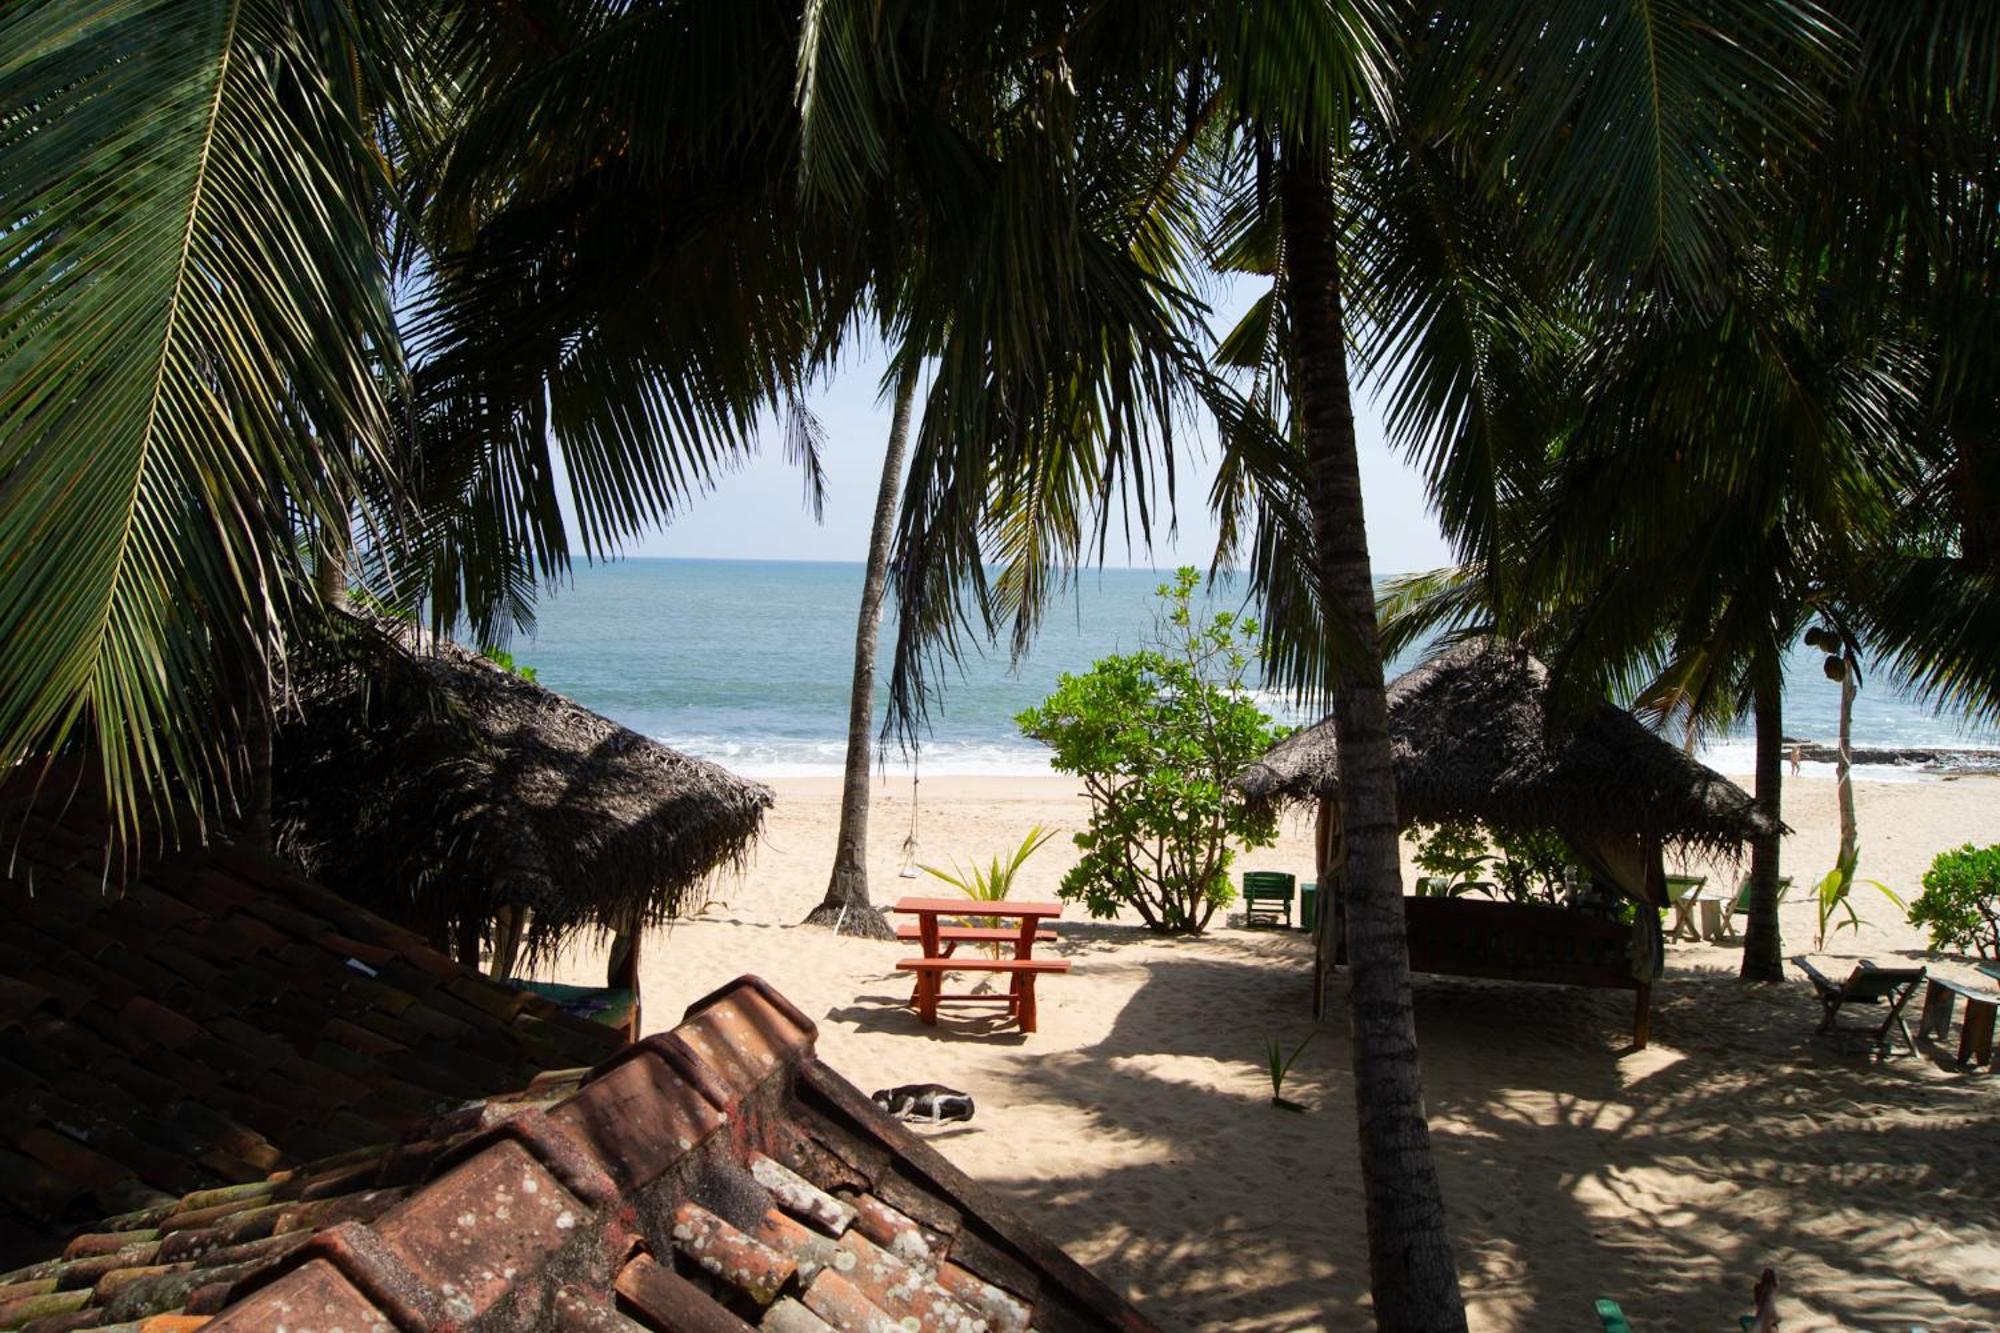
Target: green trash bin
<point>1308,901</point>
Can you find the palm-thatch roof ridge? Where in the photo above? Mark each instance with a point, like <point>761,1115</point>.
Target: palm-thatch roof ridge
<point>1472,738</point>
<point>435,786</point>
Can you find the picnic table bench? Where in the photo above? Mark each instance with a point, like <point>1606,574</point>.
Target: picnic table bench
<point>940,941</point>
<point>1975,1031</point>
<point>950,937</point>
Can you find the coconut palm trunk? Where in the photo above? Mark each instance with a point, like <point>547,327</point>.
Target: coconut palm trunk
<point>1412,1273</point>
<point>1763,947</point>
<point>846,904</point>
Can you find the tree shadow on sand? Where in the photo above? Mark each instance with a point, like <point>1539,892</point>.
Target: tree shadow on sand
<point>1665,1180</point>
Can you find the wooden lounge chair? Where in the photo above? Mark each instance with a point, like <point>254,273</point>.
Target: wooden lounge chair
<point>1718,927</point>
<point>1682,892</point>
<point>1271,888</point>
<point>1867,984</point>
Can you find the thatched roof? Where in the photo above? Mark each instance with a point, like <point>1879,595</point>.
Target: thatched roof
<point>434,785</point>
<point>1473,739</point>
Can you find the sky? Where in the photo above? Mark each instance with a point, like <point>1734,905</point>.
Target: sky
<point>759,512</point>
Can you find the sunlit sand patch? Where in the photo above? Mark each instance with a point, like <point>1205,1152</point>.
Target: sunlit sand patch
<point>1135,1128</point>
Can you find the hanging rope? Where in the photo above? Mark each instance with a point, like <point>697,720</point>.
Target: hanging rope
<point>908,870</point>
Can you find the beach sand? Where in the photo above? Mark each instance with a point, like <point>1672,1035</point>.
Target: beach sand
<point>1136,1129</point>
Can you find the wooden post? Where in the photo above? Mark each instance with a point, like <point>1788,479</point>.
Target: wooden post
<point>1327,875</point>
<point>465,942</point>
<point>622,973</point>
<point>509,923</point>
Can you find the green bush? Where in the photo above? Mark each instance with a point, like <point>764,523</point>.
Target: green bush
<point>1961,900</point>
<point>503,659</point>
<point>1454,851</point>
<point>1158,737</point>
<point>1525,867</point>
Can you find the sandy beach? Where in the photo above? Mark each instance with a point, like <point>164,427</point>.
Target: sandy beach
<point>1135,1127</point>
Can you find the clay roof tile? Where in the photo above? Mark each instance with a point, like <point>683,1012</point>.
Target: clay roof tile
<point>701,1179</point>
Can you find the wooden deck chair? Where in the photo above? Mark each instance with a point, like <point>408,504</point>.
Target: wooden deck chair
<point>1719,927</point>
<point>1867,984</point>
<point>1682,892</point>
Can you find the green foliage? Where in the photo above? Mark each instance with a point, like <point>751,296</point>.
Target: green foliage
<point>1961,900</point>
<point>1833,894</point>
<point>1454,851</point>
<point>1278,1064</point>
<point>1530,866</point>
<point>1462,856</point>
<point>503,659</point>
<point>191,301</point>
<point>1158,736</point>
<point>992,882</point>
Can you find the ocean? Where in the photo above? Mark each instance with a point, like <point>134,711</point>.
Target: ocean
<point>747,663</point>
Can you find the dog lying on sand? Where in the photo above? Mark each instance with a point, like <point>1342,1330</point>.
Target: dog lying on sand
<point>930,1102</point>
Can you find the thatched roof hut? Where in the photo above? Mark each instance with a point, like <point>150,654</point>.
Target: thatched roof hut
<point>1473,739</point>
<point>445,791</point>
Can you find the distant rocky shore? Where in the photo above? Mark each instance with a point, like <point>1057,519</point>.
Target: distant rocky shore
<point>1930,759</point>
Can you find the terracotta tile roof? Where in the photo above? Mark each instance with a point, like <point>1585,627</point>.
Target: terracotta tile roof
<point>715,1177</point>
<point>209,1018</point>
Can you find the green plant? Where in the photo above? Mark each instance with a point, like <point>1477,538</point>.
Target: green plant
<point>1278,1064</point>
<point>992,882</point>
<point>1454,851</point>
<point>1530,865</point>
<point>1158,736</point>
<point>1526,867</point>
<point>503,659</point>
<point>1832,897</point>
<point>1961,900</point>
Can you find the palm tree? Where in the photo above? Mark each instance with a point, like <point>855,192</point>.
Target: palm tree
<point>1308,88</point>
<point>1682,576</point>
<point>268,267</point>
<point>847,886</point>
<point>191,302</point>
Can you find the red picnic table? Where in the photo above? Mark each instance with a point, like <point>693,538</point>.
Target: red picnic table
<point>940,940</point>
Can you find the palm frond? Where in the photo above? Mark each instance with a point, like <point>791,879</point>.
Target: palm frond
<point>195,335</point>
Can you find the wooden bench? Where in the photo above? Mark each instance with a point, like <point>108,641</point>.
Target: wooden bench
<point>1020,996</point>
<point>1975,1032</point>
<point>911,932</point>
<point>1464,937</point>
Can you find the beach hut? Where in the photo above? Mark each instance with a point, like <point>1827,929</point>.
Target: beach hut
<point>447,792</point>
<point>1473,738</point>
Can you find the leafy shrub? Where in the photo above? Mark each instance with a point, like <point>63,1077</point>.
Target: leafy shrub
<point>1454,851</point>
<point>1526,867</point>
<point>1961,900</point>
<point>503,659</point>
<point>1531,866</point>
<point>1157,737</point>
